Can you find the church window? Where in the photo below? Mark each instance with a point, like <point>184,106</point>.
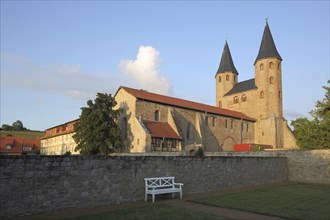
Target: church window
<point>262,95</point>
<point>207,120</point>
<point>243,98</point>
<point>247,127</point>
<point>271,80</point>
<point>279,94</point>
<point>271,65</point>
<point>156,115</point>
<point>213,121</point>
<point>220,104</point>
<point>219,78</point>
<point>234,78</point>
<point>188,130</point>
<point>262,66</point>
<point>227,77</point>
<point>279,66</point>
<point>231,124</point>
<point>235,99</point>
<point>226,123</point>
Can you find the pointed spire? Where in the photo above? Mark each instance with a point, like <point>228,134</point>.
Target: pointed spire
<point>226,63</point>
<point>267,46</point>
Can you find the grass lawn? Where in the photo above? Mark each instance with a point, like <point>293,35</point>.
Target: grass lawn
<point>154,212</point>
<point>23,134</point>
<point>297,201</point>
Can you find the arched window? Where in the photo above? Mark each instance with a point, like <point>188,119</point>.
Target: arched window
<point>156,115</point>
<point>279,66</point>
<point>188,130</point>
<point>262,95</point>
<point>231,124</point>
<point>271,80</point>
<point>262,66</point>
<point>234,78</point>
<point>227,77</point>
<point>235,99</point>
<point>243,98</point>
<point>279,94</point>
<point>271,65</point>
<point>220,104</point>
<point>219,78</point>
<point>213,121</point>
<point>124,128</point>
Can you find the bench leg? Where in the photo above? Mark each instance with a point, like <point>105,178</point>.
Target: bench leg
<point>153,197</point>
<point>181,194</point>
<point>145,197</point>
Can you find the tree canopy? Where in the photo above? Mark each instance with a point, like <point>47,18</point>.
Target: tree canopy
<point>315,133</point>
<point>96,131</point>
<point>17,126</point>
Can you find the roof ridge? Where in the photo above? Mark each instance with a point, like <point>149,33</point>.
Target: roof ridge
<point>183,103</point>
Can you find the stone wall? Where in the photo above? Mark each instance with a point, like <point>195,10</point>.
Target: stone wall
<point>32,184</point>
<point>311,166</point>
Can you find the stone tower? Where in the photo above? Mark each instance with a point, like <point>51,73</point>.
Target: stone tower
<point>268,77</point>
<point>260,97</point>
<point>226,76</point>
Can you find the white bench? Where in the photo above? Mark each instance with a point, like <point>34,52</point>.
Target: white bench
<point>161,185</point>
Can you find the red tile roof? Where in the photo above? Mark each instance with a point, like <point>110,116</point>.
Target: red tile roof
<point>18,145</point>
<point>148,96</point>
<point>161,130</point>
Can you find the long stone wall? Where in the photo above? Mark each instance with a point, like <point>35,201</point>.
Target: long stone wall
<point>312,166</point>
<point>33,184</point>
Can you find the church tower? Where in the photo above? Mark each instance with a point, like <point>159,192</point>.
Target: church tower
<point>226,76</point>
<point>268,77</point>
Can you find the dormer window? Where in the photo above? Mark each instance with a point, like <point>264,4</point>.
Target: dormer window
<point>8,146</point>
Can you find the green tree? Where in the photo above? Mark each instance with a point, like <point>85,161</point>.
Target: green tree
<point>315,133</point>
<point>97,131</point>
<point>18,126</point>
<point>7,127</point>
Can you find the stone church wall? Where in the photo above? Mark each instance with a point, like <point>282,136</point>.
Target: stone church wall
<point>34,184</point>
<point>208,130</point>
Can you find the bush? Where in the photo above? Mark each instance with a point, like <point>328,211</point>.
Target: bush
<point>199,152</point>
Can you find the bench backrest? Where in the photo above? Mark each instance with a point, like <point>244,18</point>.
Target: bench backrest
<point>159,181</point>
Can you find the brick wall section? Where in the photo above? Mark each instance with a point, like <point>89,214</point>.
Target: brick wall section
<point>44,183</point>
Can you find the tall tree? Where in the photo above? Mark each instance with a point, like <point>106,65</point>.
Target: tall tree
<point>315,133</point>
<point>18,126</point>
<point>97,131</point>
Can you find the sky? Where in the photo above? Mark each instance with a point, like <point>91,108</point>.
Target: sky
<point>56,55</point>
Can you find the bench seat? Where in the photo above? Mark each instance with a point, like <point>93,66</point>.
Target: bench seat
<point>161,185</point>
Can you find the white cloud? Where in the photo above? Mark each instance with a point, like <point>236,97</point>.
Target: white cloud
<point>144,71</point>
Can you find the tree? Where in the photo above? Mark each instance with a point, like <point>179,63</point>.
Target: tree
<point>96,132</point>
<point>7,127</point>
<point>18,126</point>
<point>315,133</point>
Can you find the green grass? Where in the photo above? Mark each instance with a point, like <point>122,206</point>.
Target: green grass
<point>154,212</point>
<point>24,134</point>
<point>297,201</point>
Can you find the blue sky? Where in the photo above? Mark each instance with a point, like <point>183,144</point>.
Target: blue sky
<point>55,55</point>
